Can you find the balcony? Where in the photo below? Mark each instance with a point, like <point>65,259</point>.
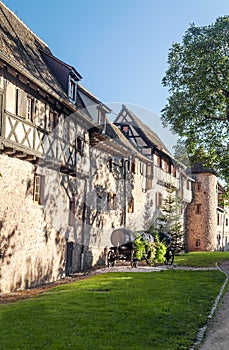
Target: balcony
<point>22,139</point>
<point>165,179</point>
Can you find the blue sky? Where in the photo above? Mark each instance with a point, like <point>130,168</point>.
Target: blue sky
<point>120,47</point>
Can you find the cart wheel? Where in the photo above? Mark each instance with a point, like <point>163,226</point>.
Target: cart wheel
<point>110,259</point>
<point>148,259</point>
<point>134,262</point>
<point>169,256</point>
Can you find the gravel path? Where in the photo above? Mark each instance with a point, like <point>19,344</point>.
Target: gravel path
<point>217,335</point>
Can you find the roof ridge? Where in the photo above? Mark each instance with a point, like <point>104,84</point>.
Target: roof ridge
<point>88,92</point>
<point>14,14</point>
<point>150,131</point>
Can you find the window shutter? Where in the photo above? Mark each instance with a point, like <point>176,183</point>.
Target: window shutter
<point>42,190</point>
<point>21,103</point>
<point>1,109</point>
<point>72,208</point>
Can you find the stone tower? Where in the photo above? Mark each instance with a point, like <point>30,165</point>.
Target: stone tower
<point>202,212</point>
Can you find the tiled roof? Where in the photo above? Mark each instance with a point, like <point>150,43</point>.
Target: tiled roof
<point>199,168</point>
<point>19,44</point>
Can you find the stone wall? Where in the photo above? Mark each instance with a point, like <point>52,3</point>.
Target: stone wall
<point>33,237</point>
<point>202,214</point>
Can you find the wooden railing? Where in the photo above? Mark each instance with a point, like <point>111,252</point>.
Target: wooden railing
<point>23,139</point>
<point>165,178</point>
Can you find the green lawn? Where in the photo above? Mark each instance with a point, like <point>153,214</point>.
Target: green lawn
<point>131,311</point>
<point>201,259</point>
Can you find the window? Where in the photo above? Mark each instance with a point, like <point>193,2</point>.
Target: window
<point>72,209</point>
<point>72,89</point>
<point>110,165</point>
<point>67,129</point>
<point>220,219</point>
<point>198,186</point>
<point>173,170</point>
<point>226,221</point>
<point>158,199</point>
<point>38,189</point>
<point>149,176</point>
<point>198,208</point>
<point>1,109</point>
<point>79,145</point>
<point>125,129</point>
<point>142,168</point>
<point>197,243</point>
<point>159,161</point>
<point>133,168</point>
<point>29,108</point>
<point>131,205</point>
<point>111,200</point>
<point>188,187</point>
<point>53,120</point>
<point>165,165</point>
<point>101,116</point>
<point>20,103</point>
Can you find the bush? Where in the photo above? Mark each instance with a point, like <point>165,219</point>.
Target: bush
<point>139,247</point>
<point>160,252</point>
<point>151,252</point>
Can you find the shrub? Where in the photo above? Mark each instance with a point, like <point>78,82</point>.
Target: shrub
<point>151,252</point>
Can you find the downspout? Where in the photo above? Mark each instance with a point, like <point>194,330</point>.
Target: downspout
<point>223,233</point>
<point>84,218</point>
<point>124,192</point>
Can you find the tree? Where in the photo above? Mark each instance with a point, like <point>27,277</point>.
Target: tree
<point>198,103</point>
<point>169,220</point>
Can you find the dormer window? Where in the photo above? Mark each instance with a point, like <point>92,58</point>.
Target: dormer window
<point>72,88</point>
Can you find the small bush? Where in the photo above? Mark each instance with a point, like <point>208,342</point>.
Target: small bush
<point>152,252</point>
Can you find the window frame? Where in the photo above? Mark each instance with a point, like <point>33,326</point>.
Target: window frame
<point>38,189</point>
<point>111,201</point>
<point>198,208</point>
<point>53,120</point>
<point>29,108</point>
<point>72,212</point>
<point>159,200</point>
<point>131,205</point>
<point>198,186</point>
<point>72,88</point>
<point>79,145</point>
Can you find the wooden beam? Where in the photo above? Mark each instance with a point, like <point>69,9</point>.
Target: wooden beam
<point>9,150</point>
<point>20,154</point>
<point>30,157</point>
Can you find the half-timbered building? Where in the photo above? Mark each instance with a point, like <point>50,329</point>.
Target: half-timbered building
<point>69,176</point>
<point>46,130</point>
<point>163,171</point>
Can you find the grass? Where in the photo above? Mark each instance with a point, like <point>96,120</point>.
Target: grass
<point>150,310</point>
<point>201,259</point>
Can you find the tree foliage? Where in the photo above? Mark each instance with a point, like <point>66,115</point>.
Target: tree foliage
<point>198,82</point>
<point>169,220</point>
